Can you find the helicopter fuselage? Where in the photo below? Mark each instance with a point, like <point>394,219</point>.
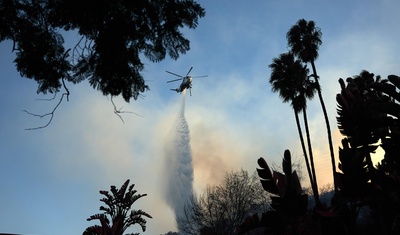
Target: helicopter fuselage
<point>186,84</point>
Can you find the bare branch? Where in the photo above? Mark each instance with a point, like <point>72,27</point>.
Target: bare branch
<point>55,94</point>
<point>51,114</point>
<point>118,112</point>
<point>82,49</point>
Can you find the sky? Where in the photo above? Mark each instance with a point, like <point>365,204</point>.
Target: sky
<point>50,178</point>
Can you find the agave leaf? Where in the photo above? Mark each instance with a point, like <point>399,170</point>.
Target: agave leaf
<point>388,89</point>
<point>269,186</point>
<point>267,181</point>
<point>389,108</point>
<point>264,173</point>
<point>296,185</point>
<point>287,163</point>
<point>395,80</point>
<point>279,179</point>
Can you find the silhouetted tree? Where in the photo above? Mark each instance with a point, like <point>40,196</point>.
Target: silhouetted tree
<point>289,78</point>
<point>223,207</point>
<point>304,39</point>
<point>113,36</point>
<point>118,210</point>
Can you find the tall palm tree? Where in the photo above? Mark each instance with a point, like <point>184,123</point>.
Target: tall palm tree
<point>290,78</point>
<point>119,204</point>
<point>304,38</point>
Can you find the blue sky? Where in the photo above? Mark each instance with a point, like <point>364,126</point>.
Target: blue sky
<point>50,178</point>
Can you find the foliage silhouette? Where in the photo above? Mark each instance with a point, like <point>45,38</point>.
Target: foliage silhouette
<point>118,211</point>
<point>289,202</point>
<point>114,34</point>
<point>290,199</point>
<point>368,112</point>
<point>361,124</point>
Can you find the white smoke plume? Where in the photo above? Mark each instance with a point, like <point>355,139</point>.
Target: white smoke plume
<point>178,173</point>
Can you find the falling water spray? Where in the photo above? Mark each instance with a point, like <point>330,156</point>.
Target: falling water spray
<point>178,172</point>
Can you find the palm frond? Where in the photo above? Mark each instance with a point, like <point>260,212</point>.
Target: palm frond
<point>304,38</point>
<point>94,230</point>
<point>122,190</point>
<point>136,217</point>
<point>289,77</point>
<point>105,223</point>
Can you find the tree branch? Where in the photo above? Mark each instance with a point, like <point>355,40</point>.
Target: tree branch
<point>118,112</point>
<point>82,49</point>
<point>51,114</point>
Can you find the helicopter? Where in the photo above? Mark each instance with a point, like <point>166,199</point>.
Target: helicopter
<point>186,81</point>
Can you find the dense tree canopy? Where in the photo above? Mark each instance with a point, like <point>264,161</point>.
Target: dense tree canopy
<point>113,36</point>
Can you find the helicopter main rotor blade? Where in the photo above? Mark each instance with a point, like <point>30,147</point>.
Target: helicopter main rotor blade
<point>189,71</point>
<point>200,76</point>
<point>175,80</point>
<point>173,74</point>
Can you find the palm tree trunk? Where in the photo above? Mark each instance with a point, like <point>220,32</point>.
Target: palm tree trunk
<point>328,128</point>
<point>305,153</point>
<point>317,202</point>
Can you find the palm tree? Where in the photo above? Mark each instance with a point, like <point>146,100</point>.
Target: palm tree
<point>119,204</point>
<point>289,78</point>
<point>304,38</point>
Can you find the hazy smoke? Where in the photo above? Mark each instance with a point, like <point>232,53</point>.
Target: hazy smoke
<point>178,173</point>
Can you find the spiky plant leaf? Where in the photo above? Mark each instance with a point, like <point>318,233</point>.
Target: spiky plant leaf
<point>119,203</point>
<point>265,175</point>
<point>280,181</point>
<point>287,164</point>
<point>94,230</point>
